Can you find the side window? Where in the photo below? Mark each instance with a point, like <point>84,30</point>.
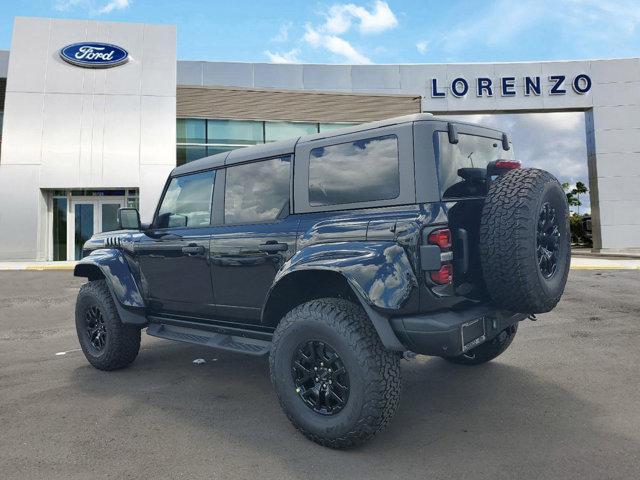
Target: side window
<point>462,167</point>
<point>360,171</point>
<point>258,191</point>
<point>187,201</point>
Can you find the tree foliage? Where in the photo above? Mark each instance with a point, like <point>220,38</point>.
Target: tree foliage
<point>573,195</point>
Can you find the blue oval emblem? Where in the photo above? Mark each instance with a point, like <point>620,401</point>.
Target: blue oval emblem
<point>94,54</point>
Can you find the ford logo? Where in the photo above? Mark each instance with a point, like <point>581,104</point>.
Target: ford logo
<point>94,55</point>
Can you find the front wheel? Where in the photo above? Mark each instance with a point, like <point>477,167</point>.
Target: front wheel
<point>335,380</point>
<point>487,351</point>
<point>106,342</point>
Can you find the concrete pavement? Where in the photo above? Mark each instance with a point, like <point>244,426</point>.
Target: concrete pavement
<point>561,403</point>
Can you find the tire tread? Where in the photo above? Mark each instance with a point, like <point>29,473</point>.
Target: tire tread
<point>507,255</point>
<point>382,366</point>
<point>124,343</point>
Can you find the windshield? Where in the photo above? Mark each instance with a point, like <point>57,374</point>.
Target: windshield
<point>462,167</point>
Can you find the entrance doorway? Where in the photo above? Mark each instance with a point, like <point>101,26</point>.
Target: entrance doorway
<point>77,215</point>
<point>90,216</point>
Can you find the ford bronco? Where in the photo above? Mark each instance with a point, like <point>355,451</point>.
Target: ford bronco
<point>335,254</point>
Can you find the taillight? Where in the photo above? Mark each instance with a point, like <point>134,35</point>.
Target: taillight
<point>508,164</point>
<point>444,275</point>
<point>498,167</point>
<point>441,238</point>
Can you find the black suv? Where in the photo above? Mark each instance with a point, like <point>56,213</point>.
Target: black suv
<point>334,254</point>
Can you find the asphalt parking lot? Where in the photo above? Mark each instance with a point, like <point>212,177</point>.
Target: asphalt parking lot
<point>563,402</point>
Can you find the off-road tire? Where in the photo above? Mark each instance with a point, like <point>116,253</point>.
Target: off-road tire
<point>122,341</point>
<point>374,372</point>
<point>487,351</point>
<point>509,241</point>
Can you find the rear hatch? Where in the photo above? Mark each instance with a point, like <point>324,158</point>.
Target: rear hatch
<point>467,160</point>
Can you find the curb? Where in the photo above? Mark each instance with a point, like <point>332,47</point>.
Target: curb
<point>47,267</point>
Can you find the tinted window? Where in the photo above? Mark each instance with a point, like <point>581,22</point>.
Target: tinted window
<point>275,131</point>
<point>257,192</point>
<point>238,132</point>
<point>187,201</point>
<point>191,130</point>
<point>353,172</point>
<point>462,167</point>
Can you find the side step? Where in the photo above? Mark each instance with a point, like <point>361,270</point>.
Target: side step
<point>221,341</point>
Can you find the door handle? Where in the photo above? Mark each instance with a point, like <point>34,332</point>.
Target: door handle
<point>193,250</point>
<point>273,246</point>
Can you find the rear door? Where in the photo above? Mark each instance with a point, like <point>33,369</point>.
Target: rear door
<point>462,175</point>
<point>174,254</point>
<point>256,238</point>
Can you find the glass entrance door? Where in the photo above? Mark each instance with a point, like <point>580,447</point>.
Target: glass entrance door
<point>85,220</point>
<point>90,216</point>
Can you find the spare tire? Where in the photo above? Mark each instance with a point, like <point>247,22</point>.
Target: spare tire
<point>525,241</point>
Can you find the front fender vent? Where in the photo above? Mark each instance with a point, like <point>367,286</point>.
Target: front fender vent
<point>113,242</point>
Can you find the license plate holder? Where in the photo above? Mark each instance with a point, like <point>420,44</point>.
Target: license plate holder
<point>473,333</point>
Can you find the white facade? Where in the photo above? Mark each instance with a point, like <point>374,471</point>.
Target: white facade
<point>67,127</point>
<point>612,107</point>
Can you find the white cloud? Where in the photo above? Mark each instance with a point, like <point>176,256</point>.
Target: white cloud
<point>283,33</point>
<point>573,23</point>
<point>92,7</point>
<point>292,56</point>
<point>422,46</point>
<point>115,5</point>
<point>334,44</point>
<point>329,32</point>
<point>339,18</point>
<point>555,142</point>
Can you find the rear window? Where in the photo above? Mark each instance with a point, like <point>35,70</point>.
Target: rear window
<point>257,192</point>
<point>361,171</point>
<point>462,167</point>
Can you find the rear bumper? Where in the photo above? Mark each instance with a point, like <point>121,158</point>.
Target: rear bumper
<point>450,333</point>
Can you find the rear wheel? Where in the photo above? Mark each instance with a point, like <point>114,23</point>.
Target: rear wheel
<point>106,342</point>
<point>487,351</point>
<point>335,381</point>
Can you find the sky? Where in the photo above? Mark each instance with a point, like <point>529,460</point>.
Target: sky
<point>391,31</point>
<point>369,31</point>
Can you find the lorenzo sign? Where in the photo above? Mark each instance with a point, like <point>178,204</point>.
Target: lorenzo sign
<point>506,86</point>
<point>94,55</point>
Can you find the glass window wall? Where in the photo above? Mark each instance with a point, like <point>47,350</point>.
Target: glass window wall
<point>198,138</point>
<point>191,130</point>
<point>234,132</point>
<point>274,131</point>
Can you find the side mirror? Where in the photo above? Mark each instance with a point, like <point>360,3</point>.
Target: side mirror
<point>128,219</point>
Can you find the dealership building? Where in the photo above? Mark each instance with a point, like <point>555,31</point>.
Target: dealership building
<point>94,115</point>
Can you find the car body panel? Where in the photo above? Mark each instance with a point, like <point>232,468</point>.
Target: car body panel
<point>375,246</point>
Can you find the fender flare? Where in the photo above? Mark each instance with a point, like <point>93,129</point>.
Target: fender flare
<point>113,266</point>
<point>379,273</point>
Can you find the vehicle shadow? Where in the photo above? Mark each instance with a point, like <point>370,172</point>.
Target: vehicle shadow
<point>495,420</point>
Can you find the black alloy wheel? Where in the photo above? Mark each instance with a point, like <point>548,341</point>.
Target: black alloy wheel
<point>548,241</point>
<point>95,327</point>
<point>320,377</point>
<point>107,343</point>
<point>334,379</point>
<point>525,241</point>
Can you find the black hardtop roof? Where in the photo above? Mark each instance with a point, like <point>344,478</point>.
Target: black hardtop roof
<point>287,147</point>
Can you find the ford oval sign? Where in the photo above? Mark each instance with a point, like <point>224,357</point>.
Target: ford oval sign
<point>94,55</point>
